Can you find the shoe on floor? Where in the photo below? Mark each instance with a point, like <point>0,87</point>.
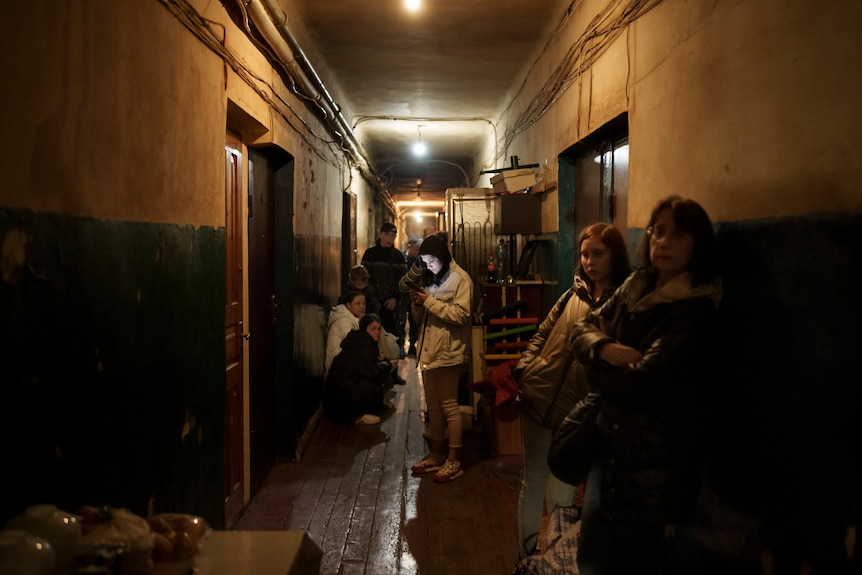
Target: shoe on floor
<point>368,419</point>
<point>430,463</point>
<point>388,405</point>
<point>450,472</point>
<point>398,380</point>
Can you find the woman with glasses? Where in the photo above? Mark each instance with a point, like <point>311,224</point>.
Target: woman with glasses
<point>649,351</point>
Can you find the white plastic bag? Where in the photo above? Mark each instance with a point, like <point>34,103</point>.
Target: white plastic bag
<point>388,346</point>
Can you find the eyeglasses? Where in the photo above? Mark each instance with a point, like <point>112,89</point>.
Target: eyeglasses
<point>662,233</point>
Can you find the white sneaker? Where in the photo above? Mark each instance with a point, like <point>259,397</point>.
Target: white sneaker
<point>430,463</point>
<point>449,473</point>
<point>368,419</point>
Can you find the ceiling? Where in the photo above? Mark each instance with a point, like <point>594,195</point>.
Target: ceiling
<point>445,71</point>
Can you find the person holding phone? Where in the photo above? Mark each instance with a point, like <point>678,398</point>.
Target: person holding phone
<point>441,306</point>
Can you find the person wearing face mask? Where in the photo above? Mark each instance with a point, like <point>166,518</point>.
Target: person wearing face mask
<point>549,380</point>
<point>649,350</point>
<point>442,309</point>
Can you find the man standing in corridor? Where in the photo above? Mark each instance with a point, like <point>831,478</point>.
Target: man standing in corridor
<point>386,264</point>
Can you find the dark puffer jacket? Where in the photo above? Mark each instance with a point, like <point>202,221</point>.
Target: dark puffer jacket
<point>385,267</point>
<point>647,422</point>
<point>356,380</point>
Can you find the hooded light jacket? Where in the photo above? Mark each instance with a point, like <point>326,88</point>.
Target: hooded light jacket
<point>445,321</point>
<point>341,322</point>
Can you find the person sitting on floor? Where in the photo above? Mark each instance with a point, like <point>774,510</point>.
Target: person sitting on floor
<point>343,319</point>
<point>356,382</point>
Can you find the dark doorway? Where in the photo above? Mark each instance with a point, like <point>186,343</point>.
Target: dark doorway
<point>233,309</point>
<point>349,257</point>
<point>593,187</point>
<point>265,311</point>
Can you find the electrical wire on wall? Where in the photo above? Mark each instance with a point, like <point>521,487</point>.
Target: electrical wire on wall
<point>545,49</point>
<point>598,36</point>
<point>202,29</point>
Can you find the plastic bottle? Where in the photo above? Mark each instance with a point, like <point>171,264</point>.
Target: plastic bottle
<point>492,269</point>
<point>501,255</point>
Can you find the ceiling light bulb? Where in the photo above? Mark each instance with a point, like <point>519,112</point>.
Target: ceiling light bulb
<point>412,4</point>
<point>419,149</point>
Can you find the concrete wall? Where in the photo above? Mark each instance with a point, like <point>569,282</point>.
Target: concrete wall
<point>749,107</point>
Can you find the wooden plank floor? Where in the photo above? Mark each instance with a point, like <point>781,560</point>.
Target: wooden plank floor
<point>353,493</point>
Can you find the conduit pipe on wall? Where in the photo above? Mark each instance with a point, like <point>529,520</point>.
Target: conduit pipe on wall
<point>310,75</point>
<point>272,24</point>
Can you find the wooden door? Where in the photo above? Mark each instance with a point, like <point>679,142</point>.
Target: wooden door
<point>263,315</point>
<point>349,256</point>
<point>234,400</point>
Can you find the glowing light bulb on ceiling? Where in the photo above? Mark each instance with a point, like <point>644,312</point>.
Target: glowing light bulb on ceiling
<point>419,148</point>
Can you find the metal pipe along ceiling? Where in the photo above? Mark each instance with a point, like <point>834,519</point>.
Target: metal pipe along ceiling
<point>272,23</point>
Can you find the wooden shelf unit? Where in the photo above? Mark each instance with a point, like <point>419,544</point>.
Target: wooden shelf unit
<point>512,313</point>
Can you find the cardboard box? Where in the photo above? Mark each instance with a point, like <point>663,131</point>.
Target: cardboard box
<point>258,553</point>
<point>516,180</point>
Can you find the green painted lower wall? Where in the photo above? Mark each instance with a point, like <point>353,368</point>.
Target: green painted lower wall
<point>301,338</point>
<point>783,427</point>
<point>113,364</point>
<point>113,375</point>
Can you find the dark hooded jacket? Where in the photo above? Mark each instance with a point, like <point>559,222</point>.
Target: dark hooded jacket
<point>647,422</point>
<point>356,380</point>
<point>385,267</point>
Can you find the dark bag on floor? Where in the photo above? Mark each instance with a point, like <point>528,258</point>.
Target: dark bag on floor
<point>575,442</point>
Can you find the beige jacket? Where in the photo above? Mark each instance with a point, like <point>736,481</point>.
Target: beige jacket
<point>445,321</point>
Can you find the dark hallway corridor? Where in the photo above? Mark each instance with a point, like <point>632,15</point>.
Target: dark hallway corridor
<point>354,495</point>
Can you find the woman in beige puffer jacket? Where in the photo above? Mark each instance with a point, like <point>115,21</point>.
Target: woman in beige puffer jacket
<point>551,381</point>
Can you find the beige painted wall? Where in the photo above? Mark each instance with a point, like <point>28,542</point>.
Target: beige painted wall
<point>99,114</point>
<point>748,106</point>
<point>118,111</point>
